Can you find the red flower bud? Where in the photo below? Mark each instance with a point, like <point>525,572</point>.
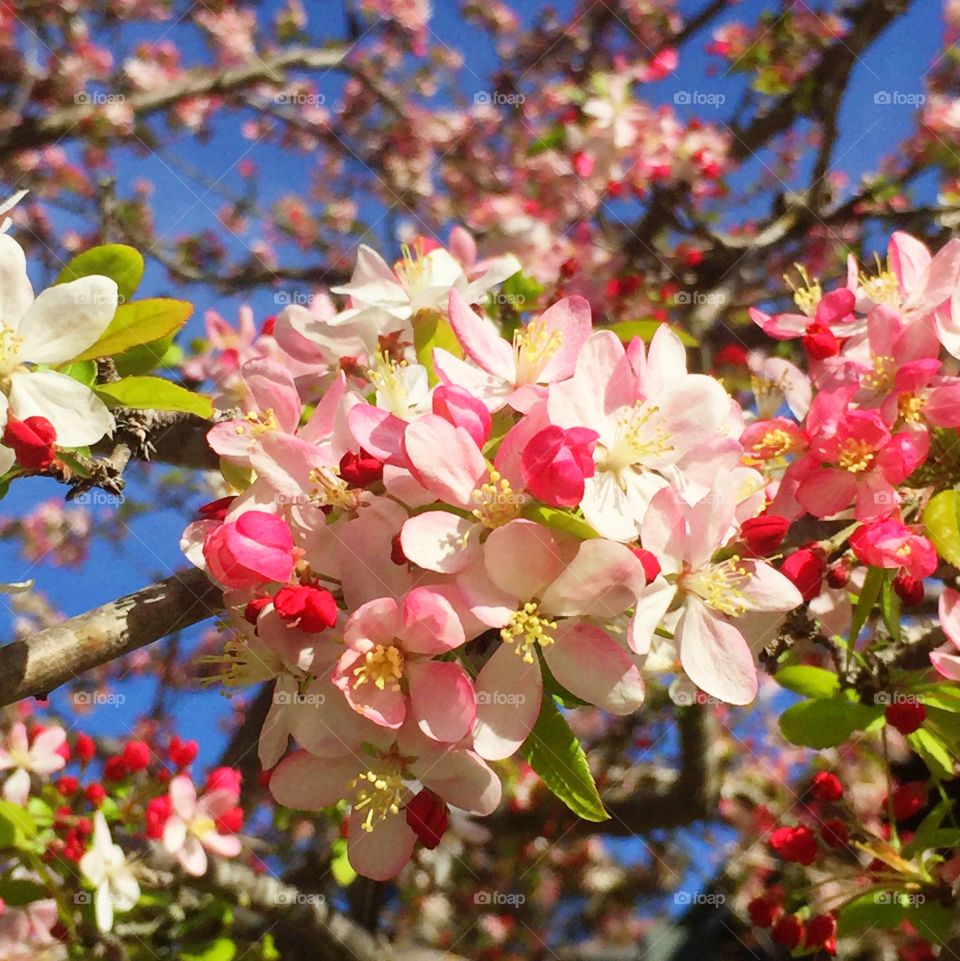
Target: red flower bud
<point>182,753</point>
<point>822,933</point>
<point>820,342</point>
<point>651,566</point>
<point>360,470</point>
<point>764,534</point>
<point>310,609</point>
<point>834,833</point>
<point>230,821</point>
<point>909,589</point>
<point>788,931</point>
<point>795,844</point>
<point>32,442</point>
<point>157,812</point>
<point>826,786</point>
<point>224,779</point>
<point>115,769</point>
<point>905,716</point>
<point>428,817</point>
<point>67,785</point>
<point>95,794</point>
<point>908,799</point>
<point>85,747</point>
<point>763,912</point>
<point>136,755</point>
<point>805,568</point>
<point>252,611</point>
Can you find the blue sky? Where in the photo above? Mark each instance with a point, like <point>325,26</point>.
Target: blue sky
<point>868,131</point>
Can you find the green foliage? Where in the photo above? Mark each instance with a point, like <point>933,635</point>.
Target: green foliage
<point>120,263</point>
<point>826,722</point>
<point>553,751</point>
<point>559,520</point>
<point>142,322</point>
<point>431,329</point>
<point>941,521</point>
<point>154,393</point>
<point>626,330</point>
<point>815,682</point>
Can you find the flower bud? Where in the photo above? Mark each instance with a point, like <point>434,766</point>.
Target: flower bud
<point>764,534</point>
<point>805,568</point>
<point>795,844</point>
<point>428,817</point>
<point>311,609</point>
<point>360,470</point>
<point>32,442</point>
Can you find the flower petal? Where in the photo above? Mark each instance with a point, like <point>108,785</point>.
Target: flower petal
<point>442,698</point>
<point>77,414</point>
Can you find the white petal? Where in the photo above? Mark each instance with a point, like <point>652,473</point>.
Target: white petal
<point>16,293</point>
<point>77,414</point>
<point>65,320</point>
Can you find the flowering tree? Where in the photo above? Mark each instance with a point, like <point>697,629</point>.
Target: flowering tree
<point>577,537</point>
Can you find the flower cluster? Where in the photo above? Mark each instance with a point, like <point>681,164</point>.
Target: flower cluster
<point>443,524</point>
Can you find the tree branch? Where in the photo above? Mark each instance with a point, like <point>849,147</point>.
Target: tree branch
<point>44,661</point>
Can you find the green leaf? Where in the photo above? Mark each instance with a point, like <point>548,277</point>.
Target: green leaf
<point>559,520</point>
<point>554,752</point>
<point>933,752</point>
<point>812,682</point>
<point>868,597</point>
<point>340,866</point>
<point>888,910</point>
<point>120,263</point>
<point>825,723</point>
<point>84,371</point>
<point>144,358</point>
<point>141,322</point>
<point>153,393</point>
<point>431,329</point>
<point>890,607</point>
<point>626,330</point>
<point>942,524</point>
<point>17,892</point>
<point>223,949</point>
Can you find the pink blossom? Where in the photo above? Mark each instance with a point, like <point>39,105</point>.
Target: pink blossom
<point>254,549</point>
<point>23,759</point>
<point>945,660</point>
<point>192,828</point>
<point>891,544</point>
<point>556,462</point>
<point>388,673</point>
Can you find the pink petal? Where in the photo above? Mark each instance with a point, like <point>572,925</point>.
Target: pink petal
<point>445,459</point>
<point>948,609</point>
<point>522,558</point>
<point>481,342</point>
<point>908,258</point>
<point>379,621</point>
<point>715,655</point>
<point>570,318</point>
<point>592,666</point>
<point>307,783</point>
<point>508,702</point>
<point>430,624</point>
<point>461,778</point>
<point>380,854</point>
<point>441,541</point>
<point>650,608</point>
<point>826,492</point>
<point>603,580</point>
<point>378,432</point>
<point>442,699</point>
<point>272,388</point>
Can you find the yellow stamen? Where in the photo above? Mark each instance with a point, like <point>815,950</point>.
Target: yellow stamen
<point>383,667</point>
<point>533,346</point>
<point>329,490</point>
<point>808,295</point>
<point>526,628</point>
<point>855,455</point>
<point>720,586</point>
<point>379,793</point>
<point>910,407</point>
<point>497,502</point>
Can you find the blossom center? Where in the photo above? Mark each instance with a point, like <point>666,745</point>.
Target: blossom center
<point>881,377</point>
<point>855,455</point>
<point>720,586</point>
<point>882,289</point>
<point>260,423</point>
<point>497,502</point>
<point>533,346</point>
<point>808,294</point>
<point>329,490</point>
<point>10,344</point>
<point>379,793</point>
<point>387,376</point>
<point>910,407</point>
<point>639,438</point>
<point>382,666</point>
<point>526,629</point>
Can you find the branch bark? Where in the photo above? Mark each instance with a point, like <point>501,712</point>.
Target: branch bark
<point>44,661</point>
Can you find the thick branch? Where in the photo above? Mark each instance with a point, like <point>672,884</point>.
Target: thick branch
<point>52,657</point>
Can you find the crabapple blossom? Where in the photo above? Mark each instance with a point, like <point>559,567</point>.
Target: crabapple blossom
<point>41,757</point>
<point>194,824</point>
<point>105,867</point>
